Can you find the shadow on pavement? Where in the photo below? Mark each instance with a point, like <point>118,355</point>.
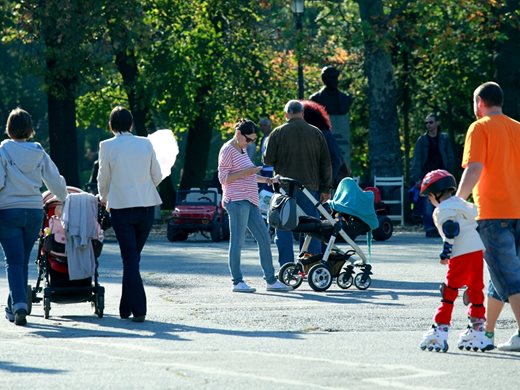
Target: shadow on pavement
<point>15,368</point>
<point>113,326</point>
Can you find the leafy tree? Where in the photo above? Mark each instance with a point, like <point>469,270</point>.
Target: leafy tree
<point>507,61</point>
<point>64,52</point>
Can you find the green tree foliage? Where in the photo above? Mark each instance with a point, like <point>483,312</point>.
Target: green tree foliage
<point>64,52</point>
<point>196,67</point>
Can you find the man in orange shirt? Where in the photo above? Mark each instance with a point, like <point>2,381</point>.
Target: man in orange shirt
<point>492,168</point>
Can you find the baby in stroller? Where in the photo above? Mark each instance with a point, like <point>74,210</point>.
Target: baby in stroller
<point>69,247</point>
<point>352,213</point>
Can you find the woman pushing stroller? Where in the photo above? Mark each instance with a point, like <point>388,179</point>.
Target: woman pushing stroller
<point>24,166</point>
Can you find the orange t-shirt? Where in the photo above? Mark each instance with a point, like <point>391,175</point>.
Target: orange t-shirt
<point>494,141</point>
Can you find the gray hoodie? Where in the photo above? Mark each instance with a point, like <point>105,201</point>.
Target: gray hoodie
<point>24,166</point>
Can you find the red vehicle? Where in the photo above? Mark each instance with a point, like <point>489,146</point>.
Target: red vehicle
<point>198,211</point>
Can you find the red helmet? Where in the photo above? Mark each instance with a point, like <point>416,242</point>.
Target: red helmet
<point>437,181</point>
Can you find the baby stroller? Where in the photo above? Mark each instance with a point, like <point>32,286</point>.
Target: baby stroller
<point>352,213</point>
<point>55,268</point>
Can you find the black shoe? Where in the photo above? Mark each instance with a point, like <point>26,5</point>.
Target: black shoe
<point>124,316</point>
<point>9,317</point>
<point>432,233</point>
<point>138,318</point>
<point>20,317</point>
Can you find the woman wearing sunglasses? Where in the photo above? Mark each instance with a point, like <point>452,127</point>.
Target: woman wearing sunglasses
<point>239,177</point>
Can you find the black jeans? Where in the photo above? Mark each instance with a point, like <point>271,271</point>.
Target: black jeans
<point>132,227</point>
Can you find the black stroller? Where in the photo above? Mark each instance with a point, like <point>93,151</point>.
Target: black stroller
<point>52,263</point>
<point>341,221</point>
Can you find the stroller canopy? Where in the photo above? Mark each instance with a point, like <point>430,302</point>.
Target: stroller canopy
<point>352,200</point>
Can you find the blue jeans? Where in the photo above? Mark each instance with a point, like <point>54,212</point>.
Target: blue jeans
<point>132,226</point>
<point>19,230</point>
<point>245,215</point>
<point>284,238</point>
<point>501,238</point>
<point>428,214</point>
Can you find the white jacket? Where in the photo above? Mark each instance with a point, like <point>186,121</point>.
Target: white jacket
<point>128,172</point>
<point>458,210</point>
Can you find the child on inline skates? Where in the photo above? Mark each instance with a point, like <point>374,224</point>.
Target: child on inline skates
<point>463,254</point>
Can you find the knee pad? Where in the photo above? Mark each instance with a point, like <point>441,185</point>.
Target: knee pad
<point>448,294</point>
<point>474,296</point>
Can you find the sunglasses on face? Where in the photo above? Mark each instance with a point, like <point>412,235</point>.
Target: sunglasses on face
<point>429,122</point>
<point>249,140</point>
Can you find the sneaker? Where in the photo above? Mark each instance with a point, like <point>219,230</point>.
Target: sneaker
<point>512,345</point>
<point>472,339</point>
<point>20,317</point>
<point>278,286</point>
<point>243,287</point>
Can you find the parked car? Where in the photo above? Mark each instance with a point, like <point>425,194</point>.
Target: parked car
<point>198,211</point>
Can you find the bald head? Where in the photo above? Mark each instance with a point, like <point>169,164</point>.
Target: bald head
<point>293,109</point>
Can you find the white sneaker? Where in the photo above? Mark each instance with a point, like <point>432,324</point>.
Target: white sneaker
<point>513,344</point>
<point>278,286</point>
<point>243,287</point>
<point>472,339</point>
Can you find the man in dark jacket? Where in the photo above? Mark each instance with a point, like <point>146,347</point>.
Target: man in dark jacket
<point>433,150</point>
<point>298,150</point>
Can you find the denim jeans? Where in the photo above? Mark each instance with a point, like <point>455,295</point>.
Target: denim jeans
<point>19,230</point>
<point>132,226</point>
<point>245,215</point>
<point>501,238</point>
<point>284,238</point>
<point>428,215</point>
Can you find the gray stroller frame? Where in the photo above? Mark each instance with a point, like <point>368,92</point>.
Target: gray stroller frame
<point>321,269</point>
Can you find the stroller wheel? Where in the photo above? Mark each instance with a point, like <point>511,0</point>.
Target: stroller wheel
<point>319,277</point>
<point>29,299</point>
<point>345,280</point>
<point>46,307</point>
<point>290,275</point>
<point>98,303</point>
<point>360,283</point>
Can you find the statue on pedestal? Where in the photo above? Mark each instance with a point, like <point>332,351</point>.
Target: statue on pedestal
<point>337,104</point>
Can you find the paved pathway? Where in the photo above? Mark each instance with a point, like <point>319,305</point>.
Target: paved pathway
<point>199,334</point>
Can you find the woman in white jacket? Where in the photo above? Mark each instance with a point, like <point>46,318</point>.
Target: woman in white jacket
<point>24,167</point>
<point>127,179</point>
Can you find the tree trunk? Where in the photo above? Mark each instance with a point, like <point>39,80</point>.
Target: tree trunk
<point>383,141</point>
<point>198,144</point>
<point>127,66</point>
<point>63,136</point>
<point>508,63</point>
<point>406,108</point>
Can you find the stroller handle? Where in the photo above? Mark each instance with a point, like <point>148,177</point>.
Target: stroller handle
<point>287,180</point>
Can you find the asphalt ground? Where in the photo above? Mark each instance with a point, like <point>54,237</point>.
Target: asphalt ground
<point>199,334</point>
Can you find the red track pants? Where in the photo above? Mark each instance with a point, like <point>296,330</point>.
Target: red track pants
<point>464,270</point>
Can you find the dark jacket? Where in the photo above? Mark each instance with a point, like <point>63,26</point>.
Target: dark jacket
<point>334,151</point>
<point>298,150</point>
<point>420,155</point>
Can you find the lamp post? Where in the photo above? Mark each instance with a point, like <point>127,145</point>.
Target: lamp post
<point>297,10</point>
